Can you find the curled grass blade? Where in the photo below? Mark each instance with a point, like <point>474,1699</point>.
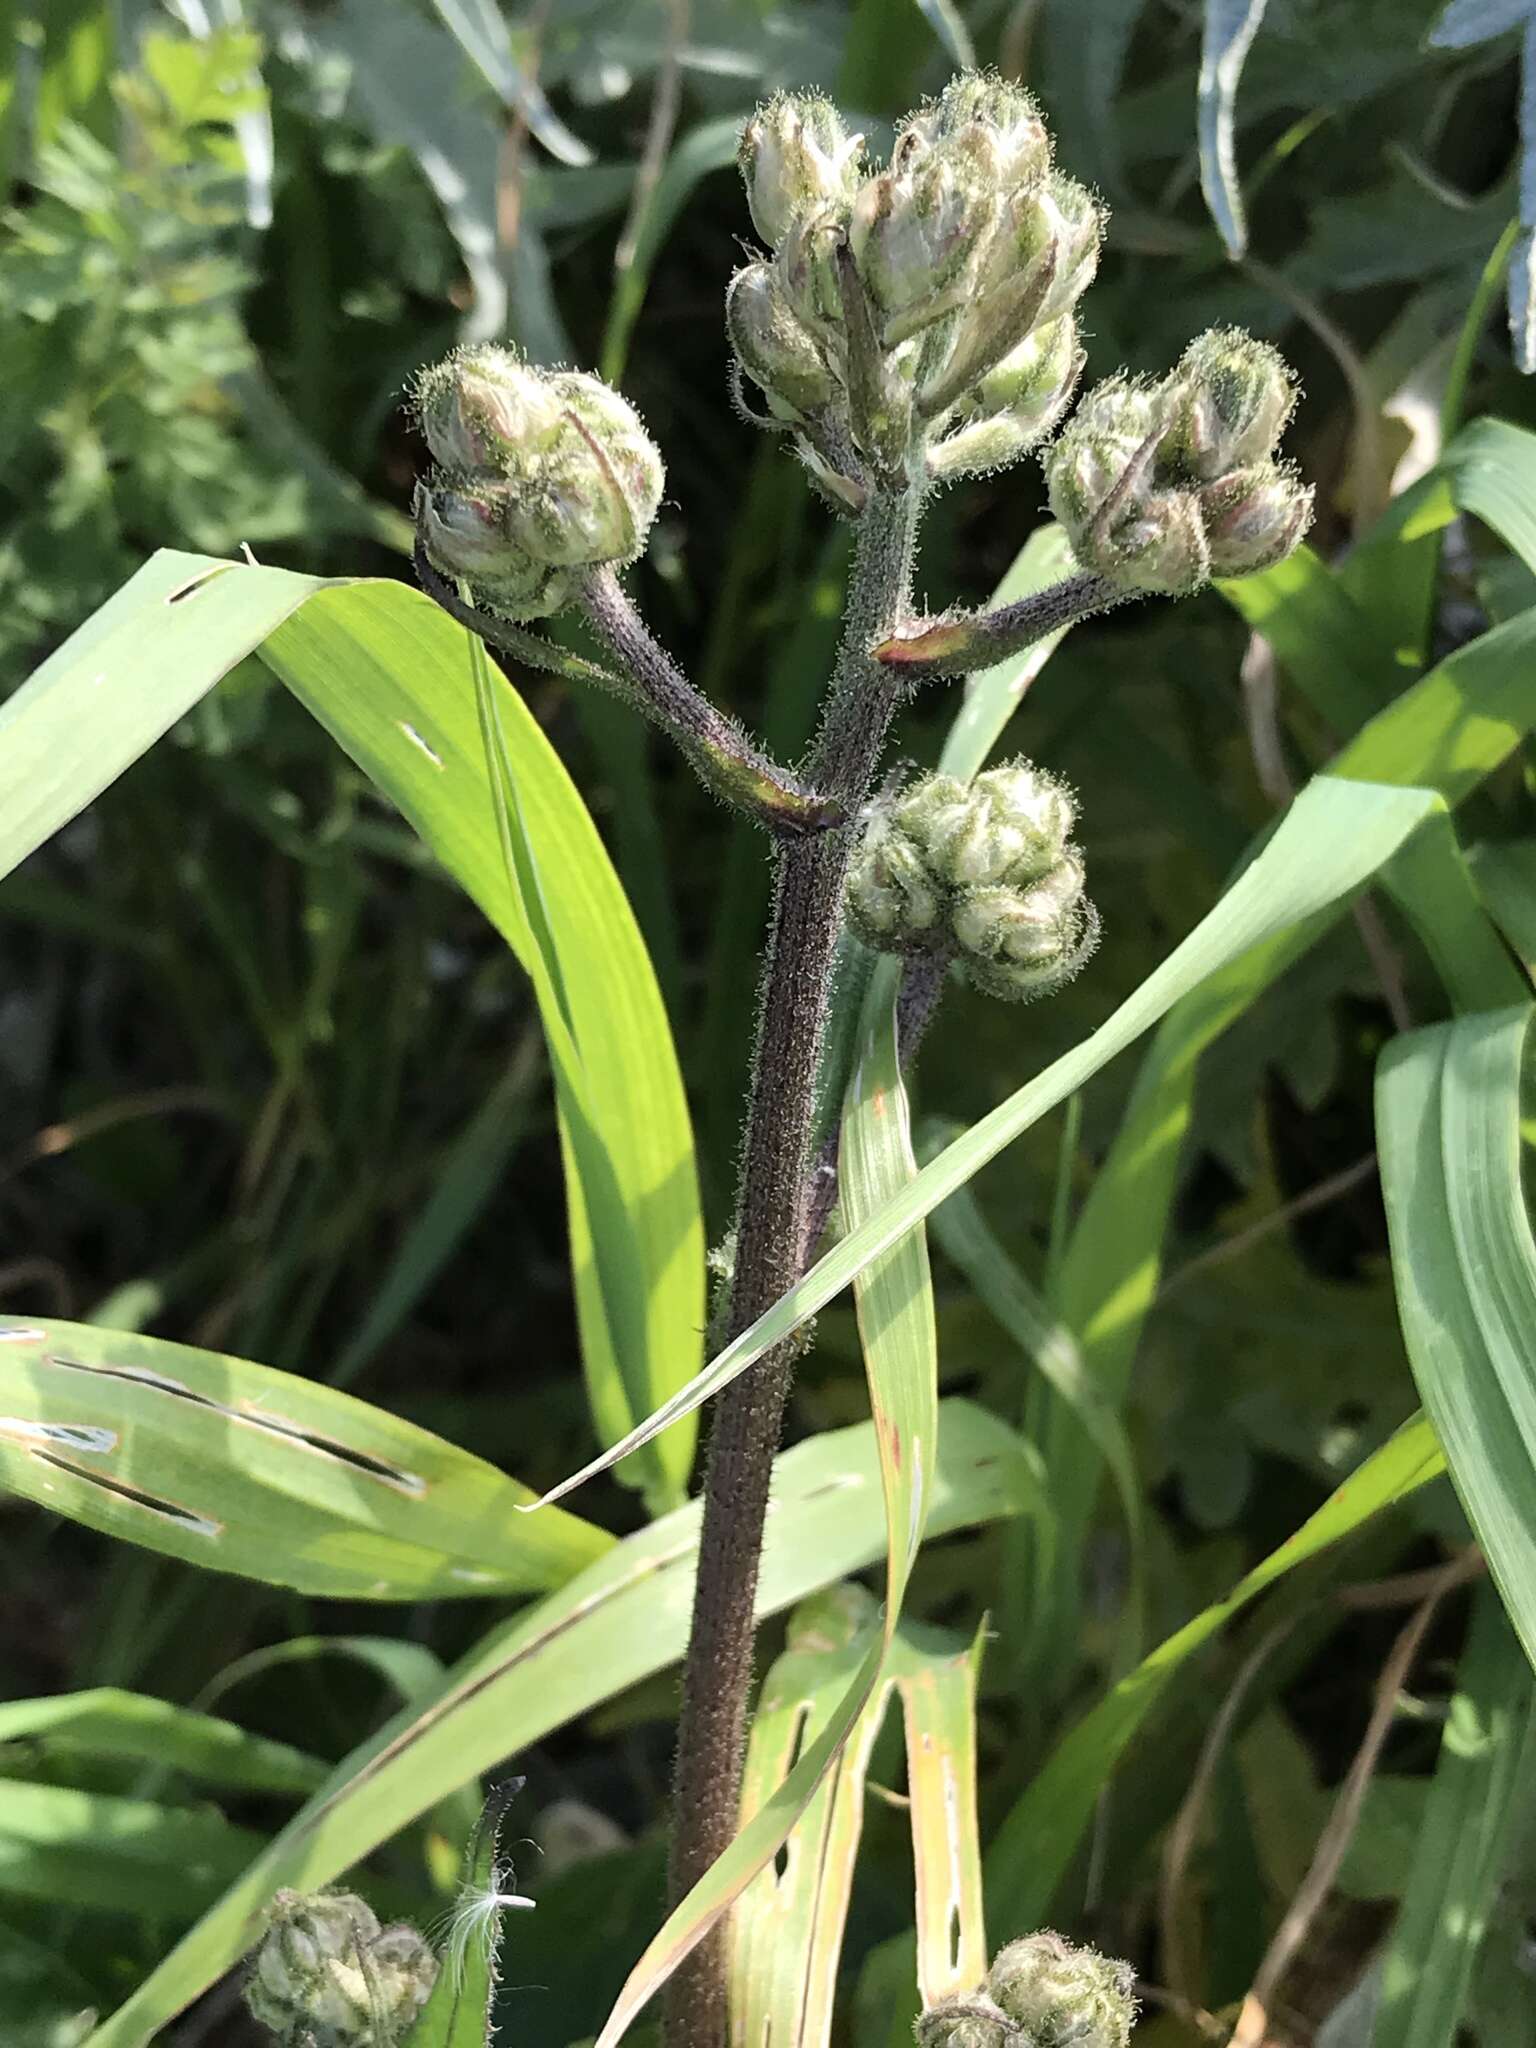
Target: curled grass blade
<point>1464,1266</point>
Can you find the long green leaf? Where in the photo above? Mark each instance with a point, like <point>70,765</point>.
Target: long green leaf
<point>91,1850</point>
<point>936,1679</point>
<point>622,1619</point>
<point>1333,839</point>
<point>1464,1265</point>
<point>391,677</point>
<point>1037,1840</point>
<point>109,1722</point>
<point>1486,1753</point>
<point>243,1469</point>
<point>393,681</point>
<point>787,1928</point>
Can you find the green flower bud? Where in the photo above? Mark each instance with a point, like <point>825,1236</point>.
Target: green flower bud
<point>1014,406</point>
<point>1124,476</point>
<point>483,409</point>
<point>468,537</point>
<point>917,230</point>
<point>983,869</point>
<point>1019,943</point>
<point>1233,398</point>
<point>326,1974</point>
<point>964,2022</point>
<point>773,347</point>
<point>796,157</point>
<point>1254,517</point>
<point>1075,222</point>
<point>893,902</point>
<point>1009,116</point>
<point>555,474</point>
<point>807,268</point>
<point>466,531</point>
<point>1064,1997</point>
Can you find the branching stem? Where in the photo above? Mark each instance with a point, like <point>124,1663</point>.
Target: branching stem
<point>774,1218</point>
<point>968,641</point>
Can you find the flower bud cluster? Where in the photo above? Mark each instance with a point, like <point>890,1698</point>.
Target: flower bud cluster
<point>328,1976</point>
<point>1041,1992</point>
<point>985,871</point>
<point>918,316</point>
<point>1162,486</point>
<point>543,475</point>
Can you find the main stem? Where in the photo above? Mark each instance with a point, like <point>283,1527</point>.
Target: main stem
<point>773,1247</point>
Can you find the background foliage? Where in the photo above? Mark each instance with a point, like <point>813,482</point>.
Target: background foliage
<point>272,1087</point>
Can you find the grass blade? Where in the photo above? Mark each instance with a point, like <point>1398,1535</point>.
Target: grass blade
<point>1038,1838</point>
<point>108,1722</point>
<point>1464,1265</point>
<point>242,1469</point>
<point>936,1680</point>
<point>1458,1858</point>
<point>787,1927</point>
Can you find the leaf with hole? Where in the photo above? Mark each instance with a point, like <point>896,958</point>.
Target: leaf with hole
<point>242,1469</point>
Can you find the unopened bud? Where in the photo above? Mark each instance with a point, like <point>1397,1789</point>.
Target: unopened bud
<point>1254,517</point>
<point>1233,396</point>
<point>326,1973</point>
<point>964,2022</point>
<point>564,478</point>
<point>1057,1994</point>
<point>1075,222</point>
<point>466,531</point>
<point>916,232</point>
<point>1124,477</point>
<point>984,870</point>
<point>773,347</point>
<point>483,409</point>
<point>1014,406</point>
<point>797,157</point>
<point>1021,943</point>
<point>1010,117</point>
<point>807,268</point>
<point>893,902</point>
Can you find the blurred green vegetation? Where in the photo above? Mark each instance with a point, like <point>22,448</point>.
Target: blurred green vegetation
<point>269,1084</point>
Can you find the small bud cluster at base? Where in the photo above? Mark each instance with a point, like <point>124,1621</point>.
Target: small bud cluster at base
<point>983,870</point>
<point>328,1976</point>
<point>1041,1992</point>
<point>543,475</point>
<point>1162,486</point>
<point>968,244</point>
